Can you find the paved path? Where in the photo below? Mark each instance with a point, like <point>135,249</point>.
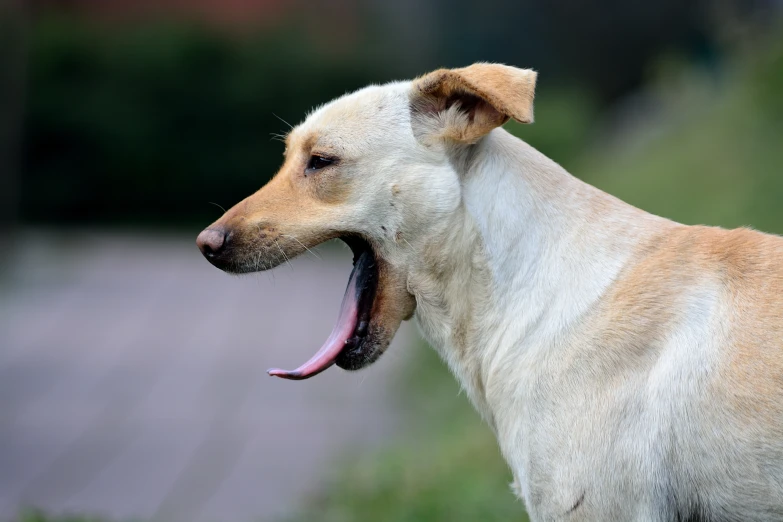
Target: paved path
<point>132,381</point>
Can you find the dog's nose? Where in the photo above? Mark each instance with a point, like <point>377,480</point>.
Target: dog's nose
<point>212,241</point>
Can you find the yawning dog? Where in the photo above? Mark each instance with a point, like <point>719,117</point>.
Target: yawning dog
<point>631,367</point>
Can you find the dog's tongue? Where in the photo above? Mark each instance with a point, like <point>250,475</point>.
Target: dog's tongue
<point>342,331</point>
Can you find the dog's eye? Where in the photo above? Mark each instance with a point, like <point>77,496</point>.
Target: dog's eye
<point>318,162</point>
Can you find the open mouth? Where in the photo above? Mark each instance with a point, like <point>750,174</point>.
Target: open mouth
<point>349,345</point>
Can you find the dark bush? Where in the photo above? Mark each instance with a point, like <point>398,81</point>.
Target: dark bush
<point>151,123</point>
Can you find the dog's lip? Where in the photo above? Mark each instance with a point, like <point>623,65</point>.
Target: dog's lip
<point>353,322</point>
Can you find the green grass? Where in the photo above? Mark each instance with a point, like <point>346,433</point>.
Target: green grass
<point>457,477</point>
<point>719,160</point>
<point>448,468</point>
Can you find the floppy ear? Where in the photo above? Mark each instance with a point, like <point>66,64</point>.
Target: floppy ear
<point>470,102</point>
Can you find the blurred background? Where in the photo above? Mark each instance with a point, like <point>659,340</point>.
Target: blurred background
<point>132,381</point>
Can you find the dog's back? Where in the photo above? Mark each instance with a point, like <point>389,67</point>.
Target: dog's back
<point>731,459</point>
<point>690,337</point>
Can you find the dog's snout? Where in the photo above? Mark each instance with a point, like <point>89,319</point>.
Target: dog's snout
<point>212,241</point>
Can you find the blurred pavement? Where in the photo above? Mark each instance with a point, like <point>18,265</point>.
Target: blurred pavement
<point>132,381</point>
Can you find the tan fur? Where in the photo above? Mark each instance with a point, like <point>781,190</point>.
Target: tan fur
<point>645,303</point>
<point>505,92</point>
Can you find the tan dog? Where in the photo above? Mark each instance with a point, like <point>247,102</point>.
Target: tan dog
<point>630,367</point>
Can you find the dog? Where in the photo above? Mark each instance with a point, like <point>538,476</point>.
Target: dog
<point>630,367</point>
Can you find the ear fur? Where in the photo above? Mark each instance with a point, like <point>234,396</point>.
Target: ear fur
<point>485,94</point>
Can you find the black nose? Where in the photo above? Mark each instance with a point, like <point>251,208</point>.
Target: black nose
<point>212,241</point>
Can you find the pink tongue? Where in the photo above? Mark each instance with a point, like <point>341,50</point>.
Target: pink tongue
<point>343,330</point>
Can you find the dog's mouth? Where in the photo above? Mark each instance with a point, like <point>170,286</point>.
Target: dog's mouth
<point>375,303</point>
<point>350,344</point>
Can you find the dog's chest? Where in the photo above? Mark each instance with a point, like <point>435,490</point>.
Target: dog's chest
<point>576,445</point>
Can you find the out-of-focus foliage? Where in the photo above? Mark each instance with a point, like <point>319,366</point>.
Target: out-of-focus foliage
<point>602,47</point>
<point>150,123</point>
<point>564,123</point>
<point>715,155</point>
<point>458,476</point>
<point>448,468</point>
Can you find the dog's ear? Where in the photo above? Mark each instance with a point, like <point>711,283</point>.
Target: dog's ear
<point>465,104</point>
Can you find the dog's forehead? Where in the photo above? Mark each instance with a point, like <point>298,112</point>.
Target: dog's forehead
<point>356,116</point>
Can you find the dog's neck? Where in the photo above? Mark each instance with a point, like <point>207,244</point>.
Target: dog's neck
<point>528,251</point>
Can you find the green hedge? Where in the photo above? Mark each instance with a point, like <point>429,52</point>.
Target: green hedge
<point>152,122</point>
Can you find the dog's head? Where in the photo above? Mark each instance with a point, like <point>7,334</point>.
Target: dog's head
<point>376,169</point>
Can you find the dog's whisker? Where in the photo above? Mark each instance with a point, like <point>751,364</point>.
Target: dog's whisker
<point>218,206</point>
<point>303,245</point>
<point>281,119</point>
<point>284,256</point>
